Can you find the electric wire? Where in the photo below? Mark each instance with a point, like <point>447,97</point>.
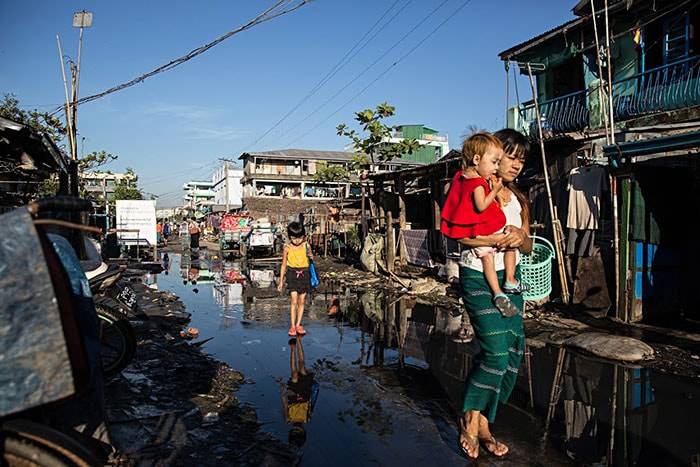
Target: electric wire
<point>276,10</point>
<point>369,67</point>
<point>357,48</point>
<point>381,75</point>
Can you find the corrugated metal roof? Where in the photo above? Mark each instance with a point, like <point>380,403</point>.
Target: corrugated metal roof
<point>523,46</point>
<point>302,154</point>
<point>311,154</point>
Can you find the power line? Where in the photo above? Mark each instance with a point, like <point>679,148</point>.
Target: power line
<point>275,11</point>
<point>413,49</point>
<point>334,70</point>
<point>348,84</point>
<point>151,180</point>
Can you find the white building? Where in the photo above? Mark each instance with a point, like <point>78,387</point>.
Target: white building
<point>230,188</point>
<point>198,194</point>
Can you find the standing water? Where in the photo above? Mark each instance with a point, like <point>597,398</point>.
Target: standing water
<point>384,380</point>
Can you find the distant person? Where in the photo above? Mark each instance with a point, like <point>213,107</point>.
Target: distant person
<point>295,258</point>
<point>194,231</point>
<point>159,232</point>
<point>299,395</point>
<point>166,231</point>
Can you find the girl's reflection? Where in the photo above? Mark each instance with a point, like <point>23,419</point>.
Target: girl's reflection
<point>299,394</point>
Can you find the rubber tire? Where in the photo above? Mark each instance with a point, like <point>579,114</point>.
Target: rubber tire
<point>125,330</point>
<point>24,443</point>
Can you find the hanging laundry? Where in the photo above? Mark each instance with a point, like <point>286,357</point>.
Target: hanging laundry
<point>585,187</point>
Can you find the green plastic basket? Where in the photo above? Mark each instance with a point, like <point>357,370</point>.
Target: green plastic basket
<point>536,269</point>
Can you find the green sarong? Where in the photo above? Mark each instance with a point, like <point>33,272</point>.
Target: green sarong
<point>502,343</point>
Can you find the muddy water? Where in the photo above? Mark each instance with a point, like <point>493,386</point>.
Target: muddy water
<point>384,379</point>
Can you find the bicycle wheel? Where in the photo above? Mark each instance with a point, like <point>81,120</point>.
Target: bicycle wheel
<point>117,340</point>
<point>27,444</point>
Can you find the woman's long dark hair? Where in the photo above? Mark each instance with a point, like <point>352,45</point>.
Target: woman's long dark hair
<point>517,144</point>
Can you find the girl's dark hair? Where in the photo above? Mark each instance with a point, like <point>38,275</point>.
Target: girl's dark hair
<point>295,230</point>
<point>515,143</point>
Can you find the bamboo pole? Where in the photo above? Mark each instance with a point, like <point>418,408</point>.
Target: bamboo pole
<point>602,105</point>
<point>69,122</point>
<point>613,416</point>
<point>556,226</point>
<point>610,90</point>
<point>555,391</point>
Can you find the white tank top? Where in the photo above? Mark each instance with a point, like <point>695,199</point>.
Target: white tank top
<point>512,210</point>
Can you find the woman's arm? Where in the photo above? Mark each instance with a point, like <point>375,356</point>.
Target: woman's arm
<point>482,240</point>
<point>516,238</point>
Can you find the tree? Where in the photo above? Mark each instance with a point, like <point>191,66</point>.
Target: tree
<point>330,173</point>
<point>126,187</point>
<point>376,144</point>
<point>95,160</point>
<point>39,121</point>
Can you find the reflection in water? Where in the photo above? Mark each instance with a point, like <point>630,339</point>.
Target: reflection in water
<point>299,395</point>
<point>387,364</point>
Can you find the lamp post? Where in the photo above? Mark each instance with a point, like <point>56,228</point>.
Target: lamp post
<point>82,20</point>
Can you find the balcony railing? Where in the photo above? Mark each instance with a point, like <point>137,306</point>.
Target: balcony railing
<point>670,87</point>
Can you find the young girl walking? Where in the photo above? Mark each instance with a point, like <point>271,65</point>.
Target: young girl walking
<point>295,268</point>
<point>472,210</point>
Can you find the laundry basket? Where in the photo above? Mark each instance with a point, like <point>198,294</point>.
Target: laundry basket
<point>536,269</point>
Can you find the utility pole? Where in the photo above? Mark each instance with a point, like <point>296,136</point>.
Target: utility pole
<point>82,20</point>
<point>226,175</point>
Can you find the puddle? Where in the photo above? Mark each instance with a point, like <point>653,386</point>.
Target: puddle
<point>384,380</point>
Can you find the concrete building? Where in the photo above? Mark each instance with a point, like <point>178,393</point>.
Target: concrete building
<point>290,173</point>
<point>100,184</point>
<point>198,194</point>
<point>433,145</point>
<point>226,184</point>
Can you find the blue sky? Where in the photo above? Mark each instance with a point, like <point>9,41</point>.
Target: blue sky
<point>171,127</point>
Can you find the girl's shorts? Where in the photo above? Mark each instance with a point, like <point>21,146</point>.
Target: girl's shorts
<point>298,280</point>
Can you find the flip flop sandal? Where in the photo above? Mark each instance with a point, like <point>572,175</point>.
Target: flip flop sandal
<point>505,306</point>
<point>472,442</point>
<point>492,442</point>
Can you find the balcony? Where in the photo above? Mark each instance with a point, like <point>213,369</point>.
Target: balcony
<point>670,87</point>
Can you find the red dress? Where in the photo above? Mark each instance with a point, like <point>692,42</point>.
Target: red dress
<point>460,218</point>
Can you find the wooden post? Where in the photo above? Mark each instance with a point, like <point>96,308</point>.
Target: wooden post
<point>435,196</point>
<point>390,244</point>
<point>363,213</point>
<point>401,191</point>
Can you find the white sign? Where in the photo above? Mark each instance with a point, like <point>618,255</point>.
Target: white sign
<point>139,216</point>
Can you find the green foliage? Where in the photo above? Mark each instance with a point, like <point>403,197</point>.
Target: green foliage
<point>126,187</point>
<point>353,234</point>
<point>94,160</point>
<point>47,188</point>
<point>375,143</point>
<point>40,121</point>
<point>330,173</point>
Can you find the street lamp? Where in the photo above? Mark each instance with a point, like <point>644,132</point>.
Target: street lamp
<point>82,20</point>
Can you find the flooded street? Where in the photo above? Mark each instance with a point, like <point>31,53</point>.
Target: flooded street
<point>386,379</point>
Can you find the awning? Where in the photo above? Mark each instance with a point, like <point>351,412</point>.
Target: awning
<point>652,148</point>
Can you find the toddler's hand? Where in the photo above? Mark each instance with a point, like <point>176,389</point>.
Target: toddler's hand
<point>496,183</point>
